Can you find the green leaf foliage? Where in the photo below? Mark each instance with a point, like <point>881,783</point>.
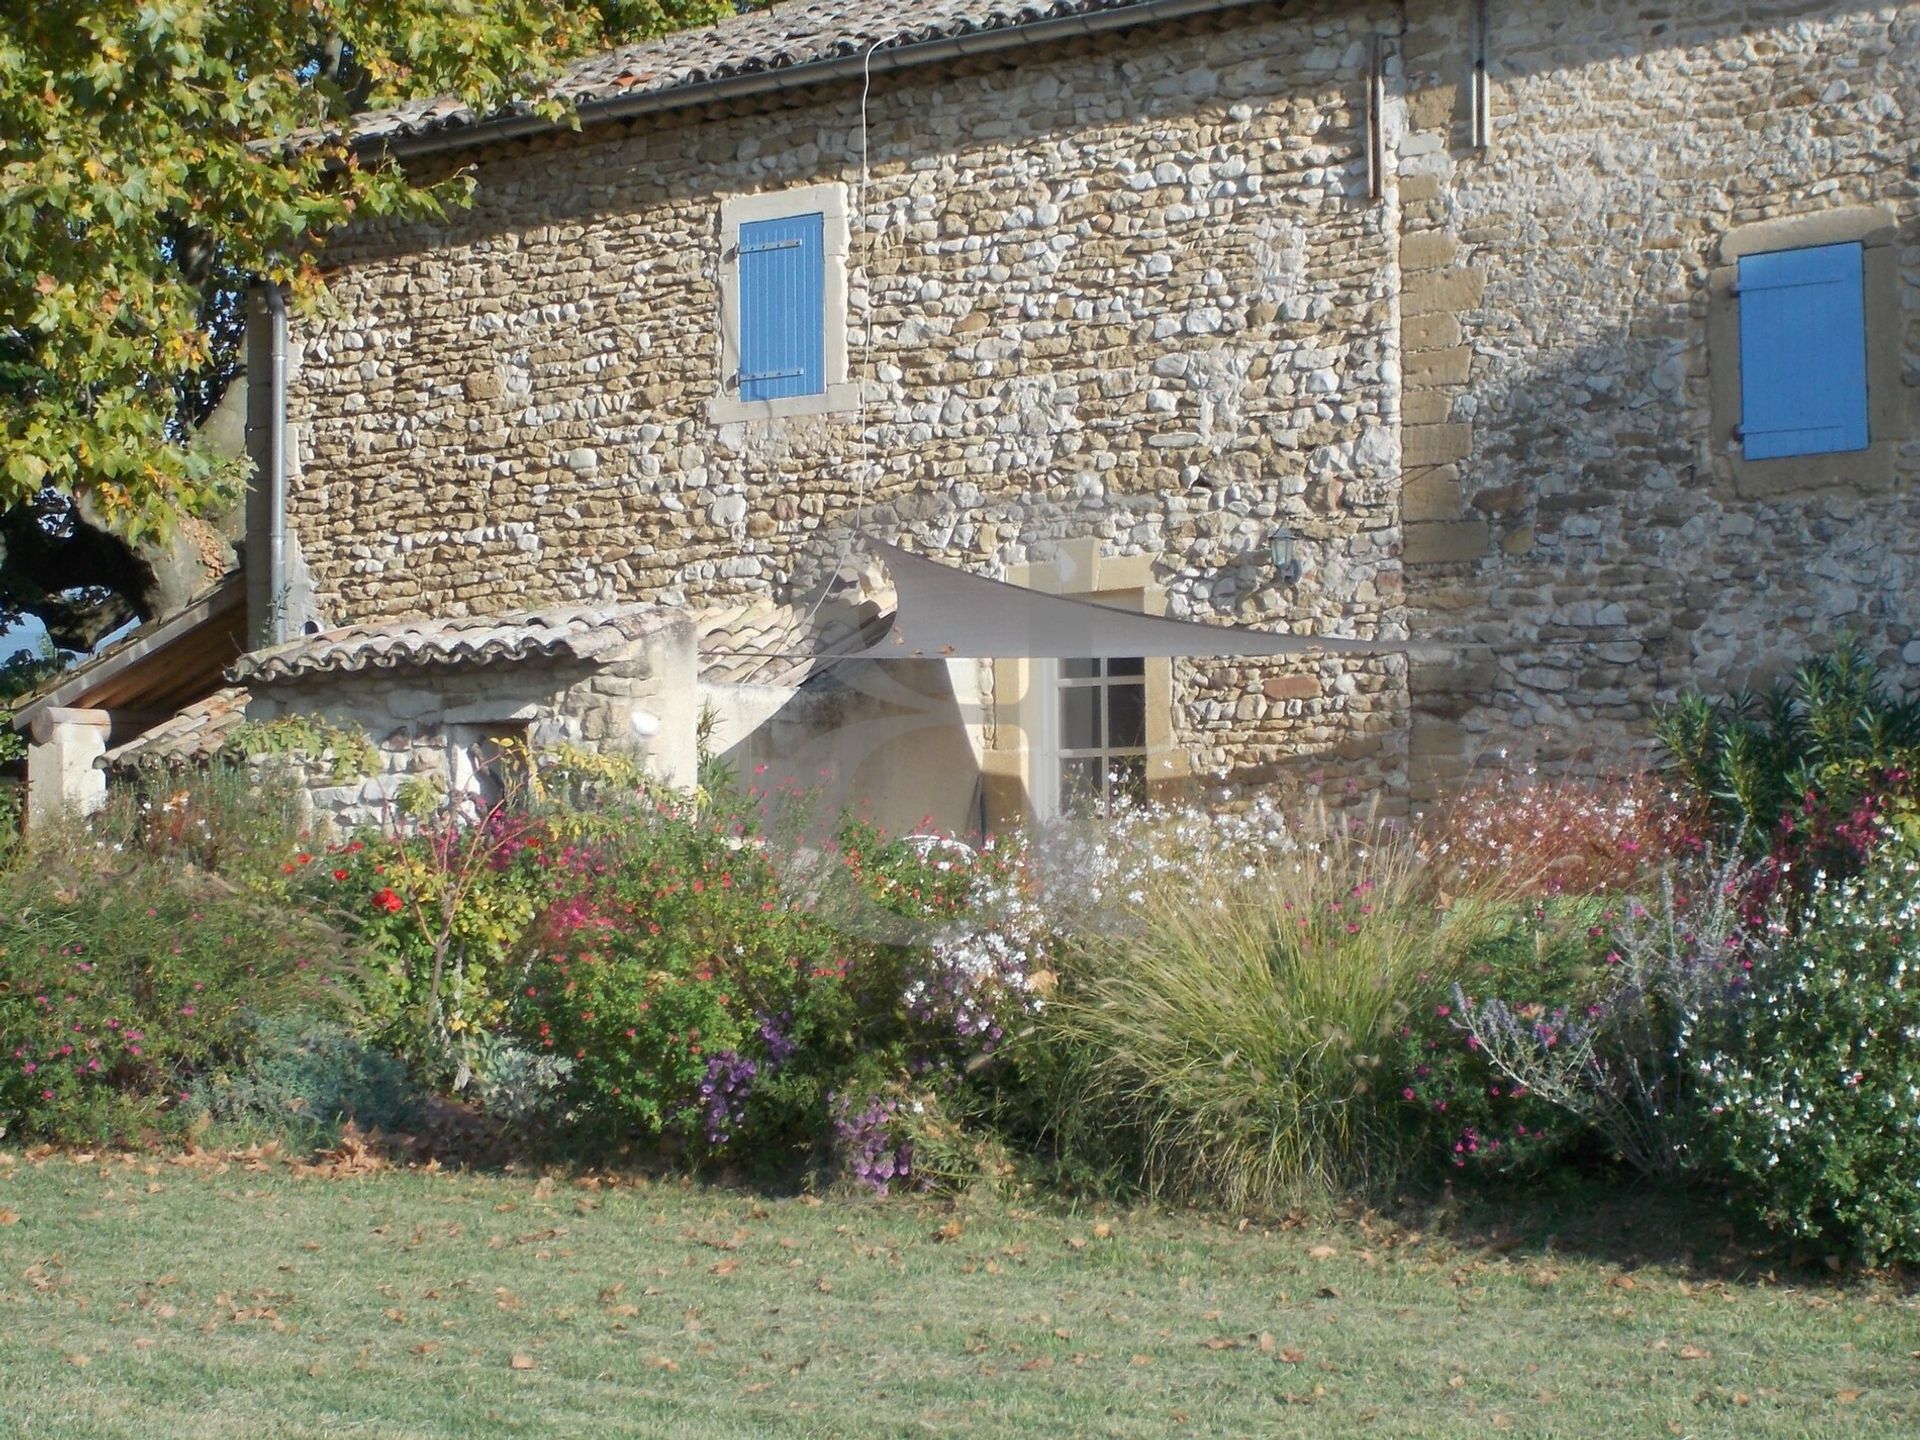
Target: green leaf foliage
<point>144,169</point>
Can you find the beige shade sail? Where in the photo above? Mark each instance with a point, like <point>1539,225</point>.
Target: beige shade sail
<point>944,613</point>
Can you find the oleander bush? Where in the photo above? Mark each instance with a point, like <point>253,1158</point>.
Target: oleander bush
<point>1806,776</point>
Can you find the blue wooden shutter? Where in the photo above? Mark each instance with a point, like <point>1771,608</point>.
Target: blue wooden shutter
<point>1803,352</point>
<point>783,341</point>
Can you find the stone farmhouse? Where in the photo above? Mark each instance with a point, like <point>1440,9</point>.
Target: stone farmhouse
<point>1568,350</point>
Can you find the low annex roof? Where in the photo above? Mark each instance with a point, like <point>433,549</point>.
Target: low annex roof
<point>572,632</point>
<point>793,42</point>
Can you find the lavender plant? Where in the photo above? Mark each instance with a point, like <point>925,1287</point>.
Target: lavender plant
<point>1624,1063</point>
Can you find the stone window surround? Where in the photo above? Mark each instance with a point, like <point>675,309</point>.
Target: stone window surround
<point>1023,689</point>
<point>830,200</point>
<point>1889,418</point>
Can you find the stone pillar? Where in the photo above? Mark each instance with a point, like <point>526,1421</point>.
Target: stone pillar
<point>63,773</point>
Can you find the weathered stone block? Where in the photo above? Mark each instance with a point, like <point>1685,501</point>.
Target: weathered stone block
<point>1436,444</point>
<point>1460,288</point>
<point>1444,543</point>
<point>1427,496</point>
<point>1435,737</point>
<point>1292,687</point>
<point>1438,331</point>
<point>1430,369</point>
<point>1428,250</point>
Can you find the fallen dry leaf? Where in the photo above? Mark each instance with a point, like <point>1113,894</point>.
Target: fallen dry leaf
<point>9,1217</point>
<point>521,1361</point>
<point>1103,1231</point>
<point>1695,1352</point>
<point>1847,1397</point>
<point>80,1361</point>
<point>1321,1252</point>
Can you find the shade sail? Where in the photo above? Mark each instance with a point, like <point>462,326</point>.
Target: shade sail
<point>944,613</point>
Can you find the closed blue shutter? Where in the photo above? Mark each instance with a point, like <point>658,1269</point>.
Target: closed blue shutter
<point>783,344</point>
<point>1803,352</point>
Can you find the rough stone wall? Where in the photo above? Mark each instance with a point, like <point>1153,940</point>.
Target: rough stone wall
<point>1132,288</point>
<point>424,723</point>
<point>1136,288</point>
<point>1573,524</point>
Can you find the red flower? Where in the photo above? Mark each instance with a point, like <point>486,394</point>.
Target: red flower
<point>339,874</point>
<point>386,900</point>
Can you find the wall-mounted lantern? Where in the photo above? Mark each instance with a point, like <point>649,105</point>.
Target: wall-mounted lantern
<point>1284,551</point>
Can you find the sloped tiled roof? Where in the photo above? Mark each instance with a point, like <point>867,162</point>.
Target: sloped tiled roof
<point>195,733</point>
<point>577,632</point>
<point>761,643</point>
<point>788,35</point>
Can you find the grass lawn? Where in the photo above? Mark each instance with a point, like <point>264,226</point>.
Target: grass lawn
<point>169,1299</point>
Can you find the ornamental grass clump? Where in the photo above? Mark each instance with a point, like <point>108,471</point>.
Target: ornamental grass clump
<point>1227,1004</point>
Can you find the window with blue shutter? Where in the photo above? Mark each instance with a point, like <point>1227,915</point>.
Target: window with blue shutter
<point>782,307</point>
<point>1803,352</point>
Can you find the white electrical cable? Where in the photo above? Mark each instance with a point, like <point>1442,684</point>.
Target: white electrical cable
<point>864,471</point>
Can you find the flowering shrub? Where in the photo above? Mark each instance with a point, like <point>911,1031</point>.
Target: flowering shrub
<point>1808,776</point>
<point>442,907</point>
<point>1546,958</point>
<point>1816,1094</point>
<point>709,986</point>
<point>1622,1060</point>
<point>1562,836</point>
<point>120,987</point>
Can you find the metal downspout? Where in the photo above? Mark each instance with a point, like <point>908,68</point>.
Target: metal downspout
<point>276,479</point>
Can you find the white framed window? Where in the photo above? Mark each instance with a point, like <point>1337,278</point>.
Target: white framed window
<point>1072,736</point>
<point>1097,745</point>
<point>783,305</point>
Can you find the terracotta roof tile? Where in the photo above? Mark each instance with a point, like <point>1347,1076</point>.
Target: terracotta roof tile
<point>782,36</point>
<point>578,632</point>
<point>194,734</point>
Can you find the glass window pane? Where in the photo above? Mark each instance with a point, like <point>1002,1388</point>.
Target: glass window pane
<point>1079,669</point>
<point>1080,718</point>
<point>1080,786</point>
<point>1133,666</point>
<point>1126,716</point>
